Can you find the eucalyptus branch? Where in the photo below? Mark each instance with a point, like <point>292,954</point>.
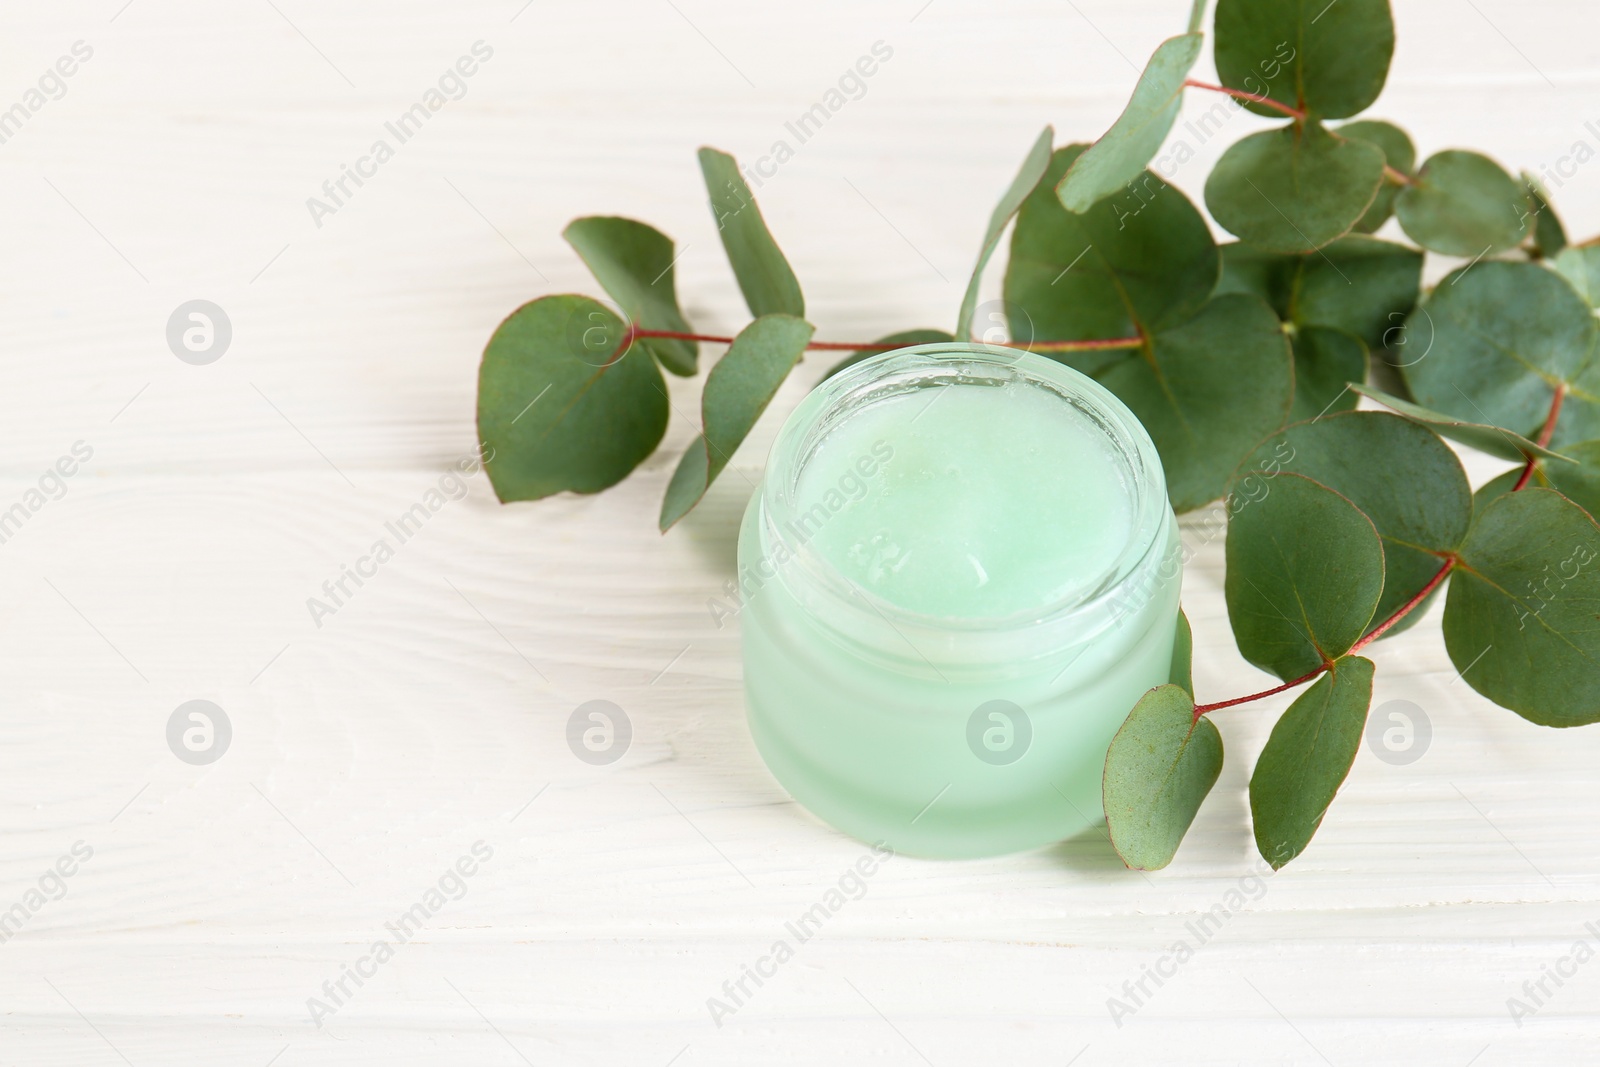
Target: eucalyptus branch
<point>1545,435</point>
<point>1241,357</point>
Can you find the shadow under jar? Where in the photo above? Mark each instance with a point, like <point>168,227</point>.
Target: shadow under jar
<point>959,575</point>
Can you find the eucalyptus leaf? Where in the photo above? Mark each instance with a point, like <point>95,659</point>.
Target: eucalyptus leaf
<point>1362,285</point>
<point>1330,59</point>
<point>904,339</point>
<point>1033,168</point>
<point>1130,265</point>
<point>1120,156</point>
<point>737,391</point>
<point>1184,385</point>
<point>1503,336</point>
<point>1397,472</point>
<point>687,487</point>
<point>1502,483</point>
<point>765,277</point>
<point>1304,576</point>
<point>1398,153</point>
<point>1549,236</point>
<point>1490,440</point>
<point>1463,204</point>
<point>633,262</point>
<point>1160,766</point>
<point>1307,758</point>
<point>1326,363</point>
<point>1522,620</point>
<point>1182,673</point>
<point>1580,265</point>
<point>1359,284</point>
<point>559,407</point>
<point>1294,189</point>
<point>1579,481</point>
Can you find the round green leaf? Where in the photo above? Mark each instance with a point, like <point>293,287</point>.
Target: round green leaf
<point>633,262</point>
<point>1522,620</point>
<point>1294,189</point>
<point>1326,362</point>
<point>1501,337</point>
<point>1307,758</point>
<point>1359,284</point>
<point>1185,386</point>
<point>1160,766</point>
<point>1130,264</point>
<point>1304,574</point>
<point>1123,152</point>
<point>1580,265</point>
<point>1330,59</point>
<point>903,339</point>
<point>1398,152</point>
<point>1397,472</point>
<point>765,277</point>
<point>1463,204</point>
<point>557,408</point>
<point>737,391</point>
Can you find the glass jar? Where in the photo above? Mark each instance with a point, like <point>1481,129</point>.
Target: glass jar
<point>982,728</point>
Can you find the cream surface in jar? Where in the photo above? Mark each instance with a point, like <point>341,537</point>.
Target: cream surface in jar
<point>959,575</point>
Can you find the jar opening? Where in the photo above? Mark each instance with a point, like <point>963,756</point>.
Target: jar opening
<point>963,487</point>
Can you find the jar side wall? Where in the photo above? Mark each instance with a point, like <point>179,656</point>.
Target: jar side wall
<point>887,755</point>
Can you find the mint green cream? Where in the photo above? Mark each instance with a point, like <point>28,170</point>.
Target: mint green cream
<point>958,576</point>
<point>992,503</point>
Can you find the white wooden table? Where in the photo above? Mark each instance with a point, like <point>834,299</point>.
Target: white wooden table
<point>429,712</point>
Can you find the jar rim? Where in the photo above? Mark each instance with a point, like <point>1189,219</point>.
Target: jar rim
<point>943,364</point>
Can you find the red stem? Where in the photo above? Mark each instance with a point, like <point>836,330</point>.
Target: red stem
<point>1545,434</point>
<point>852,346</point>
<point>1201,709</point>
<point>1077,346</point>
<point>1405,609</point>
<point>1372,635</point>
<point>1254,98</point>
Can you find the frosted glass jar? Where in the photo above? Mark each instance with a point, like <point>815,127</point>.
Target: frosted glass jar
<point>959,574</point>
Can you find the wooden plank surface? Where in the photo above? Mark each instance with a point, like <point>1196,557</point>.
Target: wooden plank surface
<point>371,753</point>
